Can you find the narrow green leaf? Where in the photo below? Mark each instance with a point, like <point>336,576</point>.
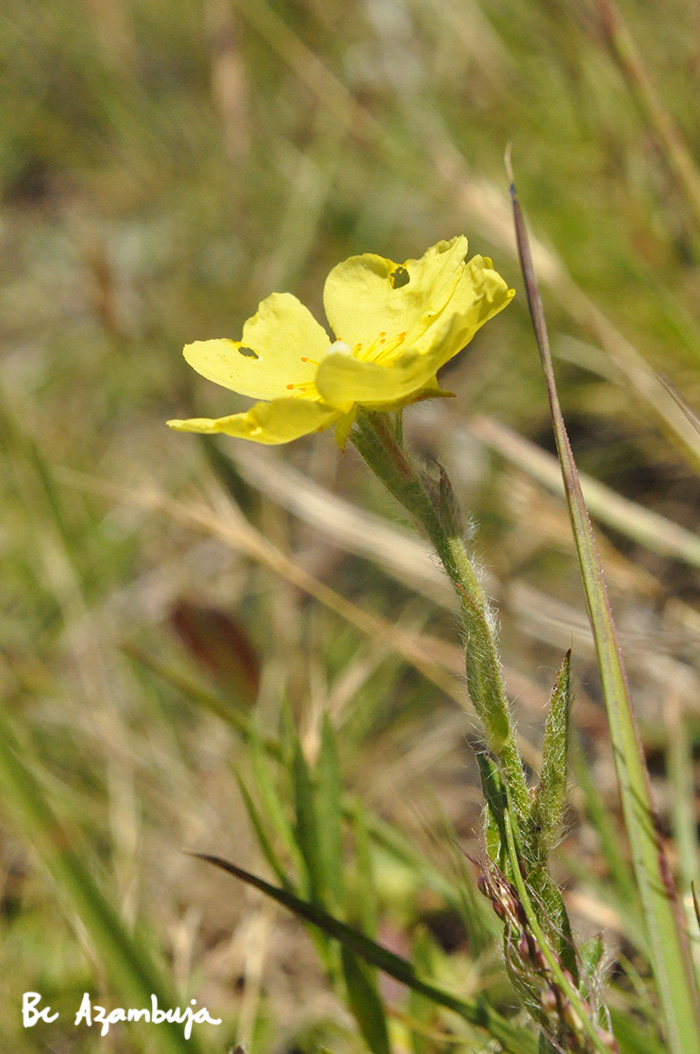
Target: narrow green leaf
<point>262,836</point>
<point>548,807</point>
<point>385,834</point>
<point>513,1039</point>
<point>547,815</point>
<point>365,1003</point>
<point>330,814</point>
<point>124,957</point>
<point>622,885</point>
<point>696,903</point>
<point>679,765</point>
<point>420,1008</point>
<point>669,951</point>
<point>492,785</point>
<point>365,908</point>
<point>270,800</point>
<point>592,952</point>
<point>306,827</point>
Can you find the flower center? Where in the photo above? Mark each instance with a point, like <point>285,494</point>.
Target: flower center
<point>380,349</point>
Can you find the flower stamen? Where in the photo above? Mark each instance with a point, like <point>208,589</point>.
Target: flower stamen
<point>380,349</point>
<point>307,389</point>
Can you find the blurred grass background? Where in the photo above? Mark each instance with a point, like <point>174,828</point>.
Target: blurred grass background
<point>162,168</point>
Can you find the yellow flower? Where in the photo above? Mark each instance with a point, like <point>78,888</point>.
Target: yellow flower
<point>395,324</point>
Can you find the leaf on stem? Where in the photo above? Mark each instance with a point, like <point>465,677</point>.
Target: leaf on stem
<point>550,802</point>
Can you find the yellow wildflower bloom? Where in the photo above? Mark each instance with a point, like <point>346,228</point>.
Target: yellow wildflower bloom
<point>395,326</point>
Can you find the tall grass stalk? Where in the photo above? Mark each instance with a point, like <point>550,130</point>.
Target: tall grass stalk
<point>666,927</point>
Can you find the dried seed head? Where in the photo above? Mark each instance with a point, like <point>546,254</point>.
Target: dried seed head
<point>548,1000</point>
<point>609,1041</point>
<point>520,912</point>
<point>539,961</point>
<point>511,906</point>
<point>570,1016</point>
<point>499,909</point>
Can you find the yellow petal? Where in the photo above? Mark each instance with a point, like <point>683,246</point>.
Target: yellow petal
<point>271,355</point>
<point>479,294</point>
<point>275,422</point>
<point>343,380</point>
<point>343,426</point>
<point>368,294</point>
<point>410,372</point>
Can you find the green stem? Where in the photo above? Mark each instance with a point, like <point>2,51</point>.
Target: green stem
<point>581,1023</point>
<point>434,513</point>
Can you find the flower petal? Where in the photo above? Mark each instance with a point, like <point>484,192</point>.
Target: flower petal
<point>275,343</point>
<point>479,294</point>
<point>343,380</point>
<point>278,421</point>
<point>368,294</point>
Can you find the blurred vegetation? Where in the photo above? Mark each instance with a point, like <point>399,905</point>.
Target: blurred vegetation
<point>162,168</point>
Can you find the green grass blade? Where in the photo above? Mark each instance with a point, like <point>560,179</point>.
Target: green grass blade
<point>668,945</point>
<point>494,794</point>
<point>420,1009</point>
<point>329,813</point>
<point>673,149</point>
<point>306,828</point>
<point>125,960</point>
<point>513,1039</point>
<point>365,1002</point>
<point>261,834</point>
<point>622,879</point>
<point>383,832</point>
<point>679,765</point>
<point>197,692</point>
<point>270,801</point>
<point>365,905</point>
<point>636,522</point>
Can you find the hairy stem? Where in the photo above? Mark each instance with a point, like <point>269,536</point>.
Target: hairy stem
<point>433,509</point>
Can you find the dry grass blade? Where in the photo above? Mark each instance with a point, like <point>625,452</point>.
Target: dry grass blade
<point>428,655</point>
<point>669,951</point>
<point>642,525</point>
<point>228,525</point>
<point>674,150</point>
<point>356,530</point>
<point>680,402</point>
